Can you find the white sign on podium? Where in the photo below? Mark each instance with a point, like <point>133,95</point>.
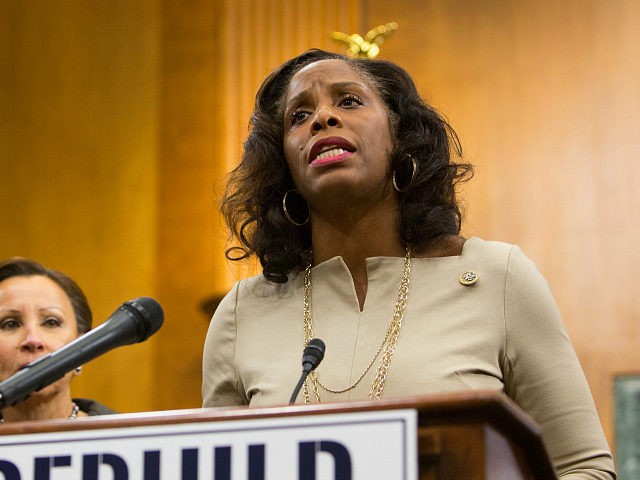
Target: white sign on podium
<point>337,446</point>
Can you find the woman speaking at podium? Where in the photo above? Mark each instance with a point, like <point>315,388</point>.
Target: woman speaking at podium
<point>346,193</point>
<point>41,310</point>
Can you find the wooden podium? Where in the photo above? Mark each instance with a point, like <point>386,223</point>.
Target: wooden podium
<point>466,436</point>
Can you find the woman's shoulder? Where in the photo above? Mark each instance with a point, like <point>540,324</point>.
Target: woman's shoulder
<point>259,285</point>
<point>495,255</point>
<point>252,292</point>
<point>93,408</point>
<point>488,248</point>
<point>468,248</point>
<point>505,260</point>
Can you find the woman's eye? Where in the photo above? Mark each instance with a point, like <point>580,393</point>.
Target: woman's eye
<point>51,322</point>
<point>9,324</point>
<point>351,101</point>
<point>298,116</point>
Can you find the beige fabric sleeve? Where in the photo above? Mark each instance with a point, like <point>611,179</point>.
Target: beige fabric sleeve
<point>543,375</point>
<point>221,385</point>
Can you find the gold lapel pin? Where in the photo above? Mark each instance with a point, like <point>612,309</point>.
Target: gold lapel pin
<point>468,278</point>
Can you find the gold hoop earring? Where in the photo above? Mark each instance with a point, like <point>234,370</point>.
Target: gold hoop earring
<point>414,172</point>
<point>286,210</point>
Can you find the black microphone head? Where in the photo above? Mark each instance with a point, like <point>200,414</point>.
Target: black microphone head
<point>149,316</point>
<point>313,354</point>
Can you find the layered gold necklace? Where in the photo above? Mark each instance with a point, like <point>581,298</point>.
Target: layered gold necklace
<point>386,349</point>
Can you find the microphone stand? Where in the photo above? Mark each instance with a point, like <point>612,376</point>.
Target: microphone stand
<point>311,357</point>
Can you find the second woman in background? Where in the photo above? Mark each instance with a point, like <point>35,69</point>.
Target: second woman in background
<point>41,310</point>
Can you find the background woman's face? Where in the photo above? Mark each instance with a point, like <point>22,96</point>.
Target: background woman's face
<point>36,318</point>
<point>336,132</point>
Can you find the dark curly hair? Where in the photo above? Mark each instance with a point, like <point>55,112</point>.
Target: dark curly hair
<point>24,267</point>
<point>252,202</point>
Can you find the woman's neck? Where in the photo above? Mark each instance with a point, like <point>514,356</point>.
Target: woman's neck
<point>356,233</point>
<point>59,407</point>
<point>355,239</point>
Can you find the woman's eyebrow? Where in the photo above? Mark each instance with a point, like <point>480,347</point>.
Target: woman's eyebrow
<point>297,99</point>
<point>347,85</point>
<point>52,308</point>
<point>300,97</point>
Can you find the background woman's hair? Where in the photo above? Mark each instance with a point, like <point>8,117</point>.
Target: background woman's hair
<point>24,267</point>
<point>252,203</point>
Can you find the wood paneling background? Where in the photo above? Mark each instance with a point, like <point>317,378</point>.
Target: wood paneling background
<point>79,90</point>
<point>118,122</point>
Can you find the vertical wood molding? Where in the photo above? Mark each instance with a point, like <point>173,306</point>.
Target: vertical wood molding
<point>189,239</point>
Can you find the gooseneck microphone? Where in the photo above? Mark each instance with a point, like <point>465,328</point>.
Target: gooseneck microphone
<point>311,357</point>
<point>133,322</point>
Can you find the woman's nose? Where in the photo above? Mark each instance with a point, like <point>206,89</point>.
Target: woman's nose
<point>32,342</point>
<point>325,118</point>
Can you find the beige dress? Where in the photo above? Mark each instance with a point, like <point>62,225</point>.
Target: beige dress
<point>502,333</point>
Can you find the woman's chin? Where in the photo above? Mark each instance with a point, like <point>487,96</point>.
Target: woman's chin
<point>48,392</point>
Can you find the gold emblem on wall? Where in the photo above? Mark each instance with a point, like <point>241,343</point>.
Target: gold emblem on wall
<point>369,46</point>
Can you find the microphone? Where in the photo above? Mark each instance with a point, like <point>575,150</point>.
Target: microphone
<point>133,322</point>
<point>311,357</point>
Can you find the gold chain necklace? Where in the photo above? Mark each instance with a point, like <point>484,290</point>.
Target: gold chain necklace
<point>387,347</point>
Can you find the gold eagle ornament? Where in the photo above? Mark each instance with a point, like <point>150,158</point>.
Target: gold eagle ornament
<point>369,46</point>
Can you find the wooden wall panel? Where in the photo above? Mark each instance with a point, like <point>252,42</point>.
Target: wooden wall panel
<point>546,99</point>
<point>78,128</point>
<point>190,241</point>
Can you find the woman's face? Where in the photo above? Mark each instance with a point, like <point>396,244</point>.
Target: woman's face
<point>36,318</point>
<point>337,137</point>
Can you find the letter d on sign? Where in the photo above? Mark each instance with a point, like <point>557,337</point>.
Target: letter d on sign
<point>307,457</point>
<point>91,464</point>
<point>9,470</point>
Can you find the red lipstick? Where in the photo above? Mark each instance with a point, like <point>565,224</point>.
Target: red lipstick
<point>329,150</point>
